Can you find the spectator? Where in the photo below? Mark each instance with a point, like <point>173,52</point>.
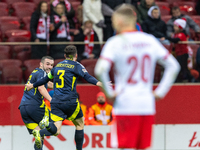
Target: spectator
<point>101,112</point>
<point>198,7</point>
<point>59,32</point>
<point>86,34</point>
<point>92,11</point>
<point>39,27</point>
<point>155,26</point>
<point>133,2</point>
<point>143,9</point>
<point>176,14</point>
<point>181,50</point>
<point>108,7</point>
<point>69,11</point>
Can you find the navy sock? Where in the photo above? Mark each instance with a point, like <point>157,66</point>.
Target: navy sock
<point>45,132</point>
<point>52,128</point>
<point>79,137</point>
<point>35,147</point>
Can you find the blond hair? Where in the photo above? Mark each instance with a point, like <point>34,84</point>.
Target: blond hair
<point>127,11</point>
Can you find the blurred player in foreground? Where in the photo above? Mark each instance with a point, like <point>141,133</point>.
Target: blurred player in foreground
<point>32,106</point>
<point>65,103</point>
<point>134,55</point>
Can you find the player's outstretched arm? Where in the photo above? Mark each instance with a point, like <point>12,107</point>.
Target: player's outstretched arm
<point>38,83</point>
<point>172,69</point>
<point>102,69</point>
<point>43,91</point>
<point>91,79</point>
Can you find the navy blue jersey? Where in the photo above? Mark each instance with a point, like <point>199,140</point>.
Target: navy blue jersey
<point>33,97</point>
<point>65,76</point>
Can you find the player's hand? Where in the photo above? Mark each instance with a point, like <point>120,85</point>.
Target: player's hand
<point>112,99</point>
<point>156,96</point>
<point>29,86</point>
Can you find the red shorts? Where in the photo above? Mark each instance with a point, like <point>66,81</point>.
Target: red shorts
<point>132,132</point>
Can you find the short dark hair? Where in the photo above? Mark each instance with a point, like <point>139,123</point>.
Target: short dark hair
<point>70,51</point>
<point>46,57</point>
<point>174,8</point>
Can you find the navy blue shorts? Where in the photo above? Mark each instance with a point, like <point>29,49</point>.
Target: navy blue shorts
<point>32,115</point>
<point>67,110</point>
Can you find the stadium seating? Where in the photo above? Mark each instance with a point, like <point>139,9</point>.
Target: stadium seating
<point>166,18</point>
<point>10,19</point>
<point>8,26</point>
<point>10,2</point>
<point>3,5</point>
<point>56,61</point>
<point>187,8</point>
<point>3,12</point>
<point>36,2</point>
<point>89,65</point>
<point>26,22</point>
<point>21,48</point>
<point>164,8</point>
<point>23,9</point>
<point>5,52</point>
<point>13,33</point>
<point>11,71</point>
<point>24,55</point>
<point>30,66</point>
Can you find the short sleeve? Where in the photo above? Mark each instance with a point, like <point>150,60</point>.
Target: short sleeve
<point>160,51</point>
<point>108,51</point>
<point>80,70</point>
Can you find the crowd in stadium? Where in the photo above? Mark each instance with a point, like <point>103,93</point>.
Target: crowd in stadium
<point>90,21</point>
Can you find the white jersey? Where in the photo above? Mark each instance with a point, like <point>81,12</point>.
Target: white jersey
<point>134,55</point>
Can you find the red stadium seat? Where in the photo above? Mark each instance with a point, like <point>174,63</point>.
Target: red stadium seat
<point>36,2</point>
<point>10,62</point>
<point>89,65</point>
<point>164,8</point>
<point>30,66</point>
<point>3,12</point>
<point>5,52</point>
<point>18,39</point>
<point>24,55</point>
<point>23,9</point>
<point>3,5</point>
<point>10,19</point>
<point>166,18</point>
<point>8,26</point>
<point>196,19</point>
<point>187,8</point>
<point>19,48</point>
<point>56,61</point>
<point>11,71</point>
<point>11,74</point>
<point>10,2</point>
<point>26,22</point>
<point>12,33</point>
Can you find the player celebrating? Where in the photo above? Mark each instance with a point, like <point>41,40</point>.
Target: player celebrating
<point>32,106</point>
<point>134,55</point>
<point>64,104</point>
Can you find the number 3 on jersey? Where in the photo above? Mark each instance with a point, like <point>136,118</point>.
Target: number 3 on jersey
<point>145,70</point>
<point>61,74</point>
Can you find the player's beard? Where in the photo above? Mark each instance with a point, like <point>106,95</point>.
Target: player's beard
<point>101,103</point>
